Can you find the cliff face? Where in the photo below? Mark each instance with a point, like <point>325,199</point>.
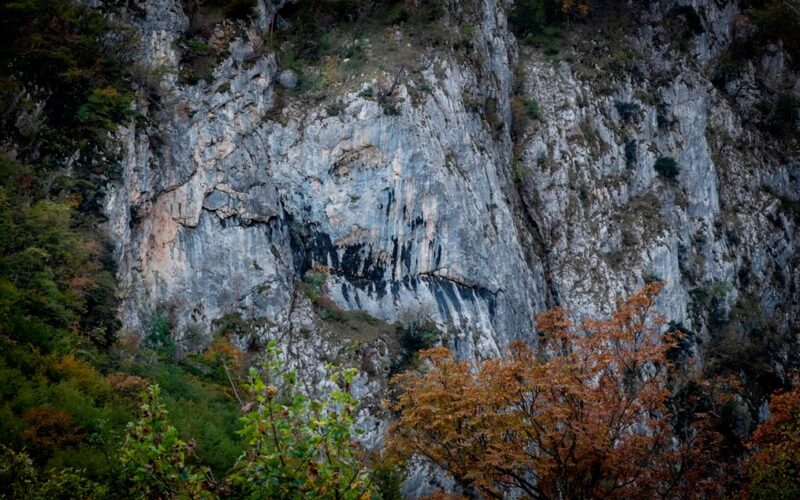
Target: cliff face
<point>444,199</point>
<point>409,211</point>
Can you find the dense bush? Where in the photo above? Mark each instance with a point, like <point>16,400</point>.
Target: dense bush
<point>154,458</point>
<point>778,21</point>
<point>667,167</point>
<point>20,479</point>
<point>631,154</point>
<point>628,111</point>
<point>782,114</point>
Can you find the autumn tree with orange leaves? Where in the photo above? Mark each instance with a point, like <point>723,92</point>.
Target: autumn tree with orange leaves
<point>773,472</point>
<point>584,415</point>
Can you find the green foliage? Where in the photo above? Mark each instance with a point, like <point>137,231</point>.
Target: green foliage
<point>201,405</point>
<point>523,110</point>
<point>388,479</point>
<point>390,109</point>
<point>689,20</point>
<point>20,479</point>
<point>667,167</point>
<point>529,17</point>
<point>314,284</point>
<point>549,40</point>
<point>156,460</point>
<point>299,447</point>
<point>334,110</point>
<point>54,273</point>
<point>158,338</point>
<point>58,52</point>
<point>779,21</point>
<point>781,113</point>
<point>418,333</point>
<point>531,107</point>
<point>236,9</point>
<point>538,23</point>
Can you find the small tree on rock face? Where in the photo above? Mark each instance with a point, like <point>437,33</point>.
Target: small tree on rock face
<point>667,167</point>
<point>584,416</point>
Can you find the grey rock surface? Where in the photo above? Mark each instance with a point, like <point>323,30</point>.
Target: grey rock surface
<point>288,79</point>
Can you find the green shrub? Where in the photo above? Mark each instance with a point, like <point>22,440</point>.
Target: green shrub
<point>418,333</point>
<point>157,337</point>
<point>783,114</point>
<point>300,447</point>
<point>204,411</point>
<point>390,109</point>
<point>314,284</point>
<point>155,459</point>
<point>631,156</point>
<point>20,480</point>
<point>667,167</point>
<point>531,107</point>
<point>530,17</point>
<point>690,20</point>
<point>236,9</point>
<point>61,54</point>
<point>779,21</point>
<point>334,110</point>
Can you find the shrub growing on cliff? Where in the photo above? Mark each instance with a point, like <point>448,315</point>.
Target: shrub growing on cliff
<point>61,55</point>
<point>667,167</point>
<point>779,21</point>
<point>631,153</point>
<point>628,111</point>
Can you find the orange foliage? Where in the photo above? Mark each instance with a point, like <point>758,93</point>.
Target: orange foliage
<point>774,470</point>
<point>579,6</point>
<point>585,415</point>
<point>126,386</point>
<point>49,429</point>
<point>222,352</point>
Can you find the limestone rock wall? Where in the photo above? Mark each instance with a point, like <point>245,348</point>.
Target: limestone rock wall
<point>452,204</point>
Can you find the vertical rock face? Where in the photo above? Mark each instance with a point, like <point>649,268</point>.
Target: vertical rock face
<point>231,194</point>
<point>407,211</point>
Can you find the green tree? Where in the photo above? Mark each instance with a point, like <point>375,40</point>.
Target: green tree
<point>300,447</point>
<point>156,460</point>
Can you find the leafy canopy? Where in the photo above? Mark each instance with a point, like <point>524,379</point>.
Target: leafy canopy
<point>585,415</point>
<point>774,470</point>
